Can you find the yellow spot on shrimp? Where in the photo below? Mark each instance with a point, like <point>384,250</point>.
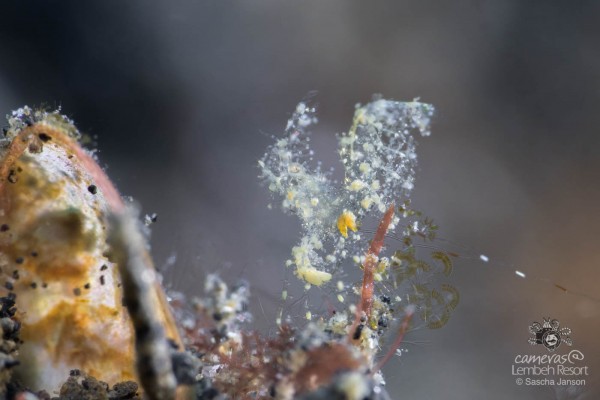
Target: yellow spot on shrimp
<point>347,220</point>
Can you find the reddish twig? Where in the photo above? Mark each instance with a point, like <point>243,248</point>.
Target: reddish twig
<point>366,296</point>
<point>368,285</point>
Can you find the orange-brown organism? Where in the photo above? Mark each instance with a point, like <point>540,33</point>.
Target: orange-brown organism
<point>54,200</point>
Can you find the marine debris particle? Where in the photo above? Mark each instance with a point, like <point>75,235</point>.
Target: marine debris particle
<point>80,386</point>
<point>9,342</point>
<point>378,154</point>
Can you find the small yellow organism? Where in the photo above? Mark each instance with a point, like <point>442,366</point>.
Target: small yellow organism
<point>304,269</point>
<point>347,220</point>
<point>313,275</point>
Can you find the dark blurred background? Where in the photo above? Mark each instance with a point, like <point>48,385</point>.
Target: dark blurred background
<point>184,95</point>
